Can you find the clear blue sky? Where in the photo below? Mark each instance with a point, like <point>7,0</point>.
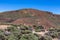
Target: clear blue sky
<point>47,5</point>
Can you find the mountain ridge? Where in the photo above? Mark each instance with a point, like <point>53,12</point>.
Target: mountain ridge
<point>31,17</point>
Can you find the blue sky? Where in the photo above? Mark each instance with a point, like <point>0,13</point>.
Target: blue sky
<point>46,5</point>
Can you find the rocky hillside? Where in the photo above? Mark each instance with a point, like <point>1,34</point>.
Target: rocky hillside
<point>31,17</point>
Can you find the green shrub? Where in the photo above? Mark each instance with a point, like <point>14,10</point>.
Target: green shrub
<point>39,28</point>
<point>45,38</point>
<point>12,37</point>
<point>29,37</point>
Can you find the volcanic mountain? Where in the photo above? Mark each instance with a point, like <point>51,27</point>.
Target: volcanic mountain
<point>31,17</point>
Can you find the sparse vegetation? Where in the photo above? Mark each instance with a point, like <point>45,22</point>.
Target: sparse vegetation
<point>21,32</point>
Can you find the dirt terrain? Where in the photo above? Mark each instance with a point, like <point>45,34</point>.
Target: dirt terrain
<point>4,26</point>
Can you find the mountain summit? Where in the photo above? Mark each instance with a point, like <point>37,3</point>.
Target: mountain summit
<point>31,17</point>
